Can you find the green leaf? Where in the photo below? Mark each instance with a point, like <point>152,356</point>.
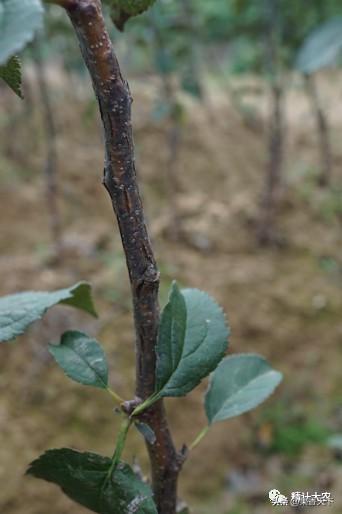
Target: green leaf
<point>131,7</point>
<point>11,74</point>
<point>81,298</point>
<point>240,383</point>
<point>321,48</point>
<point>19,20</point>
<point>123,10</point>
<point>82,359</point>
<point>88,480</point>
<point>171,337</point>
<point>192,340</point>
<point>18,311</point>
<point>146,431</point>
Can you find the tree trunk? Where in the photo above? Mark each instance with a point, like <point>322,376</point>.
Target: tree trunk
<point>174,141</point>
<point>51,161</point>
<point>174,136</point>
<point>266,229</point>
<point>322,131</point>
<point>115,100</point>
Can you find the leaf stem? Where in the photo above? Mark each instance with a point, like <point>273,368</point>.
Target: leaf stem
<point>199,438</point>
<point>114,395</point>
<point>146,404</point>
<point>120,444</point>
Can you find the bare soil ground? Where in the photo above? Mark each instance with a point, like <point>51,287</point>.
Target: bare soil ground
<point>284,303</point>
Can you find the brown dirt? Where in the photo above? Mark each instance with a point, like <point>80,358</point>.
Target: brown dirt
<point>284,303</point>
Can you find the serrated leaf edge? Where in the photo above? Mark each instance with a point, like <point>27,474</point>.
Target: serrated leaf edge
<point>270,371</point>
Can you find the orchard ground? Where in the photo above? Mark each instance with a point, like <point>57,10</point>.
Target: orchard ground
<point>282,302</point>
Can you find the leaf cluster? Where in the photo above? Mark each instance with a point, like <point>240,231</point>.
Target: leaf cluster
<point>19,20</point>
<point>192,344</point>
<point>243,26</point>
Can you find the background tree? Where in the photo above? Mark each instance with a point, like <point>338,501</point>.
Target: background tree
<point>320,49</point>
<point>263,39</point>
<point>169,35</point>
<point>51,158</point>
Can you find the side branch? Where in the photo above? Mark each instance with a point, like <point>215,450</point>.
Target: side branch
<point>115,100</point>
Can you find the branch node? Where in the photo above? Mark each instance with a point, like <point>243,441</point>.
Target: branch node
<point>130,405</point>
